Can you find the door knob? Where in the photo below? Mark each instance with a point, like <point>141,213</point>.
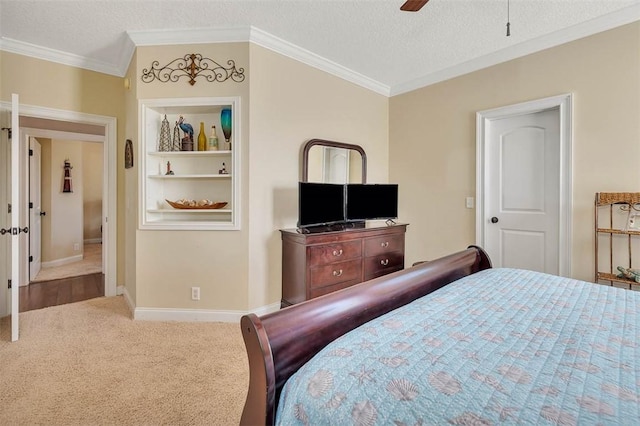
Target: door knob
<point>43,213</point>
<point>494,220</point>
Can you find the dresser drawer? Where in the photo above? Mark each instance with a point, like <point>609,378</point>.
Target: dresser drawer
<point>320,291</point>
<point>331,253</point>
<point>335,273</point>
<point>383,244</point>
<point>376,266</point>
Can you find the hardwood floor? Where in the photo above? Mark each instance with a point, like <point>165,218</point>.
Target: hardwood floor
<point>42,294</point>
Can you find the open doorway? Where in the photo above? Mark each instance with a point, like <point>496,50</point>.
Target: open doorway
<point>83,129</point>
<point>45,122</point>
<point>66,227</point>
<point>66,177</point>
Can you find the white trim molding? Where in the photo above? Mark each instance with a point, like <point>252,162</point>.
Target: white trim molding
<point>196,315</point>
<point>65,58</point>
<point>61,262</point>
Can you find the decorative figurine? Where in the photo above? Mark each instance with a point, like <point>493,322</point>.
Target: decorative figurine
<point>187,141</point>
<point>164,143</point>
<point>169,171</point>
<point>175,145</point>
<point>66,187</point>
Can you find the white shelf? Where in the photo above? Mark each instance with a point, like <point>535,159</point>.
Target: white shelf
<point>189,211</point>
<point>195,173</point>
<point>189,153</point>
<point>213,176</point>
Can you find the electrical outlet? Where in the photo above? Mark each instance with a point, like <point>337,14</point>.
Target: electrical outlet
<point>195,293</point>
<point>76,246</point>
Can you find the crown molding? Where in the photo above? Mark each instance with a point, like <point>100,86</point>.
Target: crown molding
<point>260,38</point>
<point>278,45</point>
<point>189,36</point>
<point>285,48</point>
<point>64,58</point>
<point>603,23</point>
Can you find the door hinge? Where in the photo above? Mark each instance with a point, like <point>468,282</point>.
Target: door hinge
<point>8,129</point>
<point>30,258</point>
<point>9,209</point>
<point>30,205</point>
<point>9,286</point>
<point>30,153</point>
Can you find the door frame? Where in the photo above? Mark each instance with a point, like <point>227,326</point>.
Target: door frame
<point>563,104</point>
<point>109,186</point>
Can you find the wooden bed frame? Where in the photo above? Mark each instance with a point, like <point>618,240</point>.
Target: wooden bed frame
<point>281,342</point>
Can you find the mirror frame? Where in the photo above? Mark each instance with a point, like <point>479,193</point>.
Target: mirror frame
<point>323,142</point>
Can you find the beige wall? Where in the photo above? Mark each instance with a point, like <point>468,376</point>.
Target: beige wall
<point>92,179</point>
<point>129,207</point>
<point>283,104</point>
<point>169,263</point>
<point>290,104</point>
<point>48,84</point>
<point>65,215</point>
<point>432,137</point>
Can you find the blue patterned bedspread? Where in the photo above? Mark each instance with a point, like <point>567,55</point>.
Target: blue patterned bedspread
<point>502,346</point>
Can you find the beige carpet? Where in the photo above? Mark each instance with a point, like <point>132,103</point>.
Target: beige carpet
<point>90,264</point>
<point>88,363</point>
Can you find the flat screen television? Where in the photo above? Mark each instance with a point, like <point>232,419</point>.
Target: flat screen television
<point>371,201</point>
<point>320,204</point>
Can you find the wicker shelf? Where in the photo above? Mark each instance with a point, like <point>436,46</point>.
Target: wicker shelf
<point>605,276</point>
<point>617,231</point>
<point>615,208</point>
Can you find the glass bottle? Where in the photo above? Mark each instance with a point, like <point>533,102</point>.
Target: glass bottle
<point>202,138</point>
<point>213,140</point>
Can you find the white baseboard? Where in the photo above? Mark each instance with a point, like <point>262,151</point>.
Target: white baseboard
<point>60,262</point>
<point>188,315</point>
<point>266,309</point>
<point>194,315</point>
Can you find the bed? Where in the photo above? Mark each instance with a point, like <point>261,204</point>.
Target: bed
<point>452,341</point>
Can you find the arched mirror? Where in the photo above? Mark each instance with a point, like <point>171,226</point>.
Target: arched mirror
<point>333,162</point>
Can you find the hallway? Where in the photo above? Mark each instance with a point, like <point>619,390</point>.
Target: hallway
<point>59,292</point>
<point>68,283</point>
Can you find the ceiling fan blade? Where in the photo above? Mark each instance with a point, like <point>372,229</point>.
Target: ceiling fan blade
<point>413,5</point>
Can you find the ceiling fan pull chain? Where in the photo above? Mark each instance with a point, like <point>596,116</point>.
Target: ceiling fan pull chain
<point>508,23</point>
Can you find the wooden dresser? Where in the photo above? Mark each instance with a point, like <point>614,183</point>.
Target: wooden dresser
<point>314,264</point>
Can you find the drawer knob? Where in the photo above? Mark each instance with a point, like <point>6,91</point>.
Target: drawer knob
<point>384,262</point>
<point>337,252</point>
<point>337,273</point>
<point>385,244</point>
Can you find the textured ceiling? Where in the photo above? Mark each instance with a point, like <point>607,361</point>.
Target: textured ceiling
<point>369,37</point>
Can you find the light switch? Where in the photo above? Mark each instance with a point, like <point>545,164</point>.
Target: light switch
<point>469,202</point>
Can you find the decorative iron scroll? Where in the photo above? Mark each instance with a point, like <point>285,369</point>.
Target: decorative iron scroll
<point>193,65</point>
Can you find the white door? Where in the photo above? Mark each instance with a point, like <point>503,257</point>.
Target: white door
<point>35,208</point>
<point>522,192</point>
